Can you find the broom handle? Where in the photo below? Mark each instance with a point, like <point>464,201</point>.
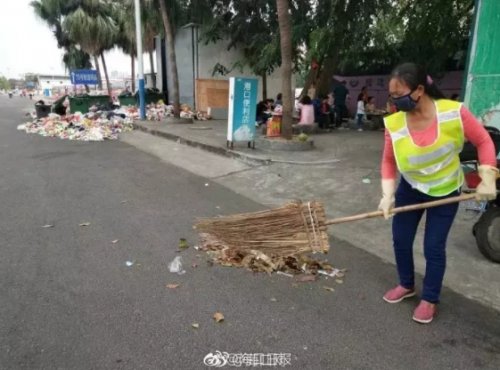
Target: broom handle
<point>414,207</point>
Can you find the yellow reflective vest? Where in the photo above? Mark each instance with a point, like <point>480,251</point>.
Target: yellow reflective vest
<point>433,169</point>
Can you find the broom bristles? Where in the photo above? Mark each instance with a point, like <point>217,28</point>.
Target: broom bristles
<point>296,228</point>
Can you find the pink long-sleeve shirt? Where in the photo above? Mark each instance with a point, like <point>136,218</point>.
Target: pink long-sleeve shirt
<point>474,132</point>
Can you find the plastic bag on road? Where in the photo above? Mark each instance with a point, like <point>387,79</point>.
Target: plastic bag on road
<point>176,266</point>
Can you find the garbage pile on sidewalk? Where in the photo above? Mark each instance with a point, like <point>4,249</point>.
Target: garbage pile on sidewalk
<point>158,111</point>
<point>93,126</point>
<point>102,122</point>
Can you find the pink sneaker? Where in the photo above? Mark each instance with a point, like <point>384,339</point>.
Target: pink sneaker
<point>397,294</point>
<point>425,312</point>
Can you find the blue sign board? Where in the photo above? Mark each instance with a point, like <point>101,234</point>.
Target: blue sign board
<point>242,109</point>
<point>84,77</point>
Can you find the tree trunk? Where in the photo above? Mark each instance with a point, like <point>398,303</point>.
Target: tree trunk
<point>286,66</point>
<point>325,78</point>
<point>264,86</point>
<point>98,70</point>
<point>108,84</point>
<point>172,61</point>
<point>132,68</point>
<point>152,64</point>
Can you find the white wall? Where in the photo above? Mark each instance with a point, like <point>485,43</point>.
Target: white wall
<point>212,54</point>
<point>53,83</point>
<point>197,60</point>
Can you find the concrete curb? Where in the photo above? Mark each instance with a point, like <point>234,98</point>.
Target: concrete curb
<point>209,148</point>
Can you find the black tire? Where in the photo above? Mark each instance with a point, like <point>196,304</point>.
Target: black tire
<point>488,234</point>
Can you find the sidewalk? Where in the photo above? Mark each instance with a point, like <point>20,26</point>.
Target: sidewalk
<point>343,173</point>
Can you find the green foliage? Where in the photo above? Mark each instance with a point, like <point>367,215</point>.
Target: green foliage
<point>92,26</point>
<point>348,36</point>
<point>4,83</point>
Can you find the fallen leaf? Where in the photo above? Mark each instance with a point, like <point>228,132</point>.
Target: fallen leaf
<point>295,285</point>
<point>207,184</point>
<point>115,241</point>
<point>172,286</point>
<point>195,325</point>
<point>129,263</point>
<point>218,317</point>
<point>47,226</point>
<point>330,289</point>
<point>84,224</point>
<point>274,300</point>
<point>338,281</point>
<point>124,201</point>
<point>306,278</point>
<point>183,244</point>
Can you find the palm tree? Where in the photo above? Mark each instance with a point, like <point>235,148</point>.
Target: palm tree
<point>172,60</point>
<point>92,26</point>
<point>126,38</point>
<point>286,66</point>
<point>51,12</point>
<point>151,27</point>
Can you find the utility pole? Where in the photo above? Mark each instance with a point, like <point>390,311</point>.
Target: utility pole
<point>138,33</point>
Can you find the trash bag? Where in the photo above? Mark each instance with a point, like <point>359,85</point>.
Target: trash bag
<point>176,266</point>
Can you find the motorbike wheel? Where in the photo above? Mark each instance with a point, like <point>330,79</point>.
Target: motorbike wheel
<point>474,229</point>
<point>488,234</point>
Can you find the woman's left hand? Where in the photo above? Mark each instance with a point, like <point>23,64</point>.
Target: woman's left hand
<point>487,189</point>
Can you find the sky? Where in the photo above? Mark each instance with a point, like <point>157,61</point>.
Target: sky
<point>27,45</point>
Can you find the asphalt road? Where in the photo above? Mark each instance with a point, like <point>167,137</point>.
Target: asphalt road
<point>68,300</point>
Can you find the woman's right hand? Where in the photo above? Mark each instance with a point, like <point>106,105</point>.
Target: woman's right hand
<point>388,200</point>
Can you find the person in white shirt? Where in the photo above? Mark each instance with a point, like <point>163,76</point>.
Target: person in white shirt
<point>360,112</point>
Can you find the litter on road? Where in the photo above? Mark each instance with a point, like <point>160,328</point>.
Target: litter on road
<point>276,240</point>
<point>218,317</point>
<point>175,266</point>
<point>93,126</point>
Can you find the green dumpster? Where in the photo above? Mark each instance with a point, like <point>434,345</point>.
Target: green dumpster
<point>127,100</point>
<point>153,97</point>
<point>82,103</point>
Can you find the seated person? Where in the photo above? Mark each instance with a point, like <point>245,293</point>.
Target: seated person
<point>325,113</point>
<point>371,108</point>
<point>306,109</point>
<point>264,111</point>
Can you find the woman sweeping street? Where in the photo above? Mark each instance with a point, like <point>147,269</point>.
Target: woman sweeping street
<point>423,141</point>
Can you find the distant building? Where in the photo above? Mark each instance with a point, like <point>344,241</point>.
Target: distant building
<point>53,84</point>
<point>204,71</point>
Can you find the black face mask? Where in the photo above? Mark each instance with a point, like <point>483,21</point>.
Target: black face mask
<point>406,103</point>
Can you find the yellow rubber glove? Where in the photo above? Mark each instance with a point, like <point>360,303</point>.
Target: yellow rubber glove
<point>487,189</point>
<point>388,199</point>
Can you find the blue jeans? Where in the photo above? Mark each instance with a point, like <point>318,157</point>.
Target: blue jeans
<point>360,120</point>
<point>437,226</point>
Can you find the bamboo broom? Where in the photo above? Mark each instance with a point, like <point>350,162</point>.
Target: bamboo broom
<point>294,229</point>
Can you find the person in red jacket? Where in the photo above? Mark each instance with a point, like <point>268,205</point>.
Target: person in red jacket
<point>423,141</point>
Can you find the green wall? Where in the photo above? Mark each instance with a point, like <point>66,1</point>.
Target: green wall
<point>482,94</point>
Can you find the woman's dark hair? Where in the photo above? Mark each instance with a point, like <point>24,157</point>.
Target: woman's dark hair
<point>413,75</point>
<point>370,98</point>
<point>306,100</point>
<point>361,96</point>
<point>279,96</point>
